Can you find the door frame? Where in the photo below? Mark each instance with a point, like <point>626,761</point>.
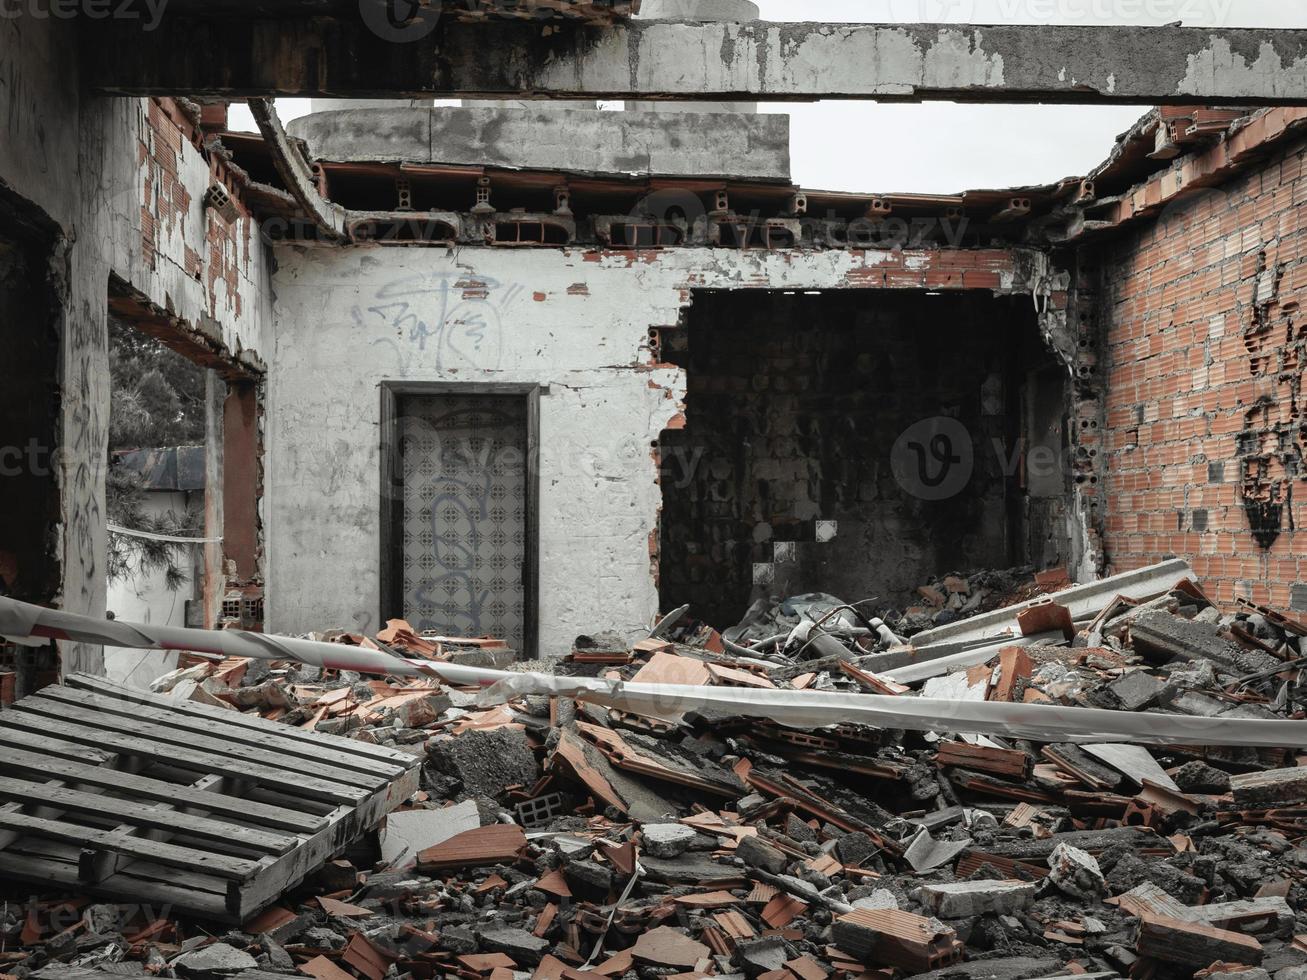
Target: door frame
<point>391,601</point>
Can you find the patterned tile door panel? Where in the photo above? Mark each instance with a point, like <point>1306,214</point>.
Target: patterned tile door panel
<point>464,467</point>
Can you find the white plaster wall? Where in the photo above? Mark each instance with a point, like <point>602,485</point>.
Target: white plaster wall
<point>348,320</point>
<point>577,320</point>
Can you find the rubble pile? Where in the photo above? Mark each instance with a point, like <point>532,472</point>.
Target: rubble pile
<point>952,597</point>
<point>559,839</point>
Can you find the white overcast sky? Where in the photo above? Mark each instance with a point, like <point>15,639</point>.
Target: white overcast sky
<point>944,147</point>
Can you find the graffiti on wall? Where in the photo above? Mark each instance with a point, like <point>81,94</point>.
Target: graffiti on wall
<point>442,320</point>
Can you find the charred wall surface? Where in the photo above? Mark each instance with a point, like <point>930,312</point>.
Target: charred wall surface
<point>851,441</point>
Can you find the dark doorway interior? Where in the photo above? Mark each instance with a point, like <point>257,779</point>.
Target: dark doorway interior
<point>856,443</point>
<point>29,410</point>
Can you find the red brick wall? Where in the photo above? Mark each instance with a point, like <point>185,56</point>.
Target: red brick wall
<point>1204,384</point>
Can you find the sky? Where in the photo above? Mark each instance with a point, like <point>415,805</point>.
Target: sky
<point>944,147</point>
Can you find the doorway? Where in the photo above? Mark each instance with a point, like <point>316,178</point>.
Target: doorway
<point>459,510</point>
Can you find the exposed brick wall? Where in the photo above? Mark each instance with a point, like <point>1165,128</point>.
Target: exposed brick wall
<point>166,200</point>
<point>1204,346</point>
<point>793,405</point>
<point>169,139</point>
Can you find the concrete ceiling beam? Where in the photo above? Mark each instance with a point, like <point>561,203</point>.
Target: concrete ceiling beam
<point>323,57</point>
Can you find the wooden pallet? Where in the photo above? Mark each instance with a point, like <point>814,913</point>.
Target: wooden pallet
<point>140,798</point>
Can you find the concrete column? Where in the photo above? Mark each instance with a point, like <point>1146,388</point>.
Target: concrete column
<point>240,478</point>
<point>704,11</point>
<point>212,585</point>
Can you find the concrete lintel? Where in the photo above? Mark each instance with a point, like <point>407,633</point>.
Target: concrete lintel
<point>197,55</point>
<point>566,140</point>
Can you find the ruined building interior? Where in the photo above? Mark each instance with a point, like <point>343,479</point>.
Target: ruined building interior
<point>527,332</point>
<point>638,277</point>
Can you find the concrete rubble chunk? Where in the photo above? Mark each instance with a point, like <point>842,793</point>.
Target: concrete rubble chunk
<point>961,899</point>
<point>798,830</point>
<point>1174,636</point>
<point>1136,690</point>
<point>758,956</point>
<point>409,832</point>
<point>1259,790</point>
<point>758,853</point>
<point>486,762</point>
<point>855,848</point>
<point>880,898</point>
<point>517,943</point>
<point>590,877</point>
<point>1268,916</point>
<point>1199,777</point>
<point>214,962</point>
<point>1076,873</point>
<point>999,968</point>
<point>667,840</point>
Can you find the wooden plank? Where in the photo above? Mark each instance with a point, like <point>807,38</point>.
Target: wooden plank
<point>54,748</point>
<point>274,741</point>
<point>290,781</point>
<point>96,864</point>
<point>44,870</point>
<point>8,837</point>
<point>142,872</point>
<point>146,788</point>
<point>210,713</point>
<point>38,704</point>
<point>1000,762</point>
<point>290,869</point>
<point>171,855</point>
<point>192,825</point>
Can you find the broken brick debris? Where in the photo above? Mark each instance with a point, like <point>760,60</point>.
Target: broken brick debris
<point>493,845</point>
<point>1195,944</point>
<point>534,840</point>
<point>897,938</point>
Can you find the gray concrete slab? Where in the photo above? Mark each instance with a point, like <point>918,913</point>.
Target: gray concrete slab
<point>713,62</point>
<point>569,140</point>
